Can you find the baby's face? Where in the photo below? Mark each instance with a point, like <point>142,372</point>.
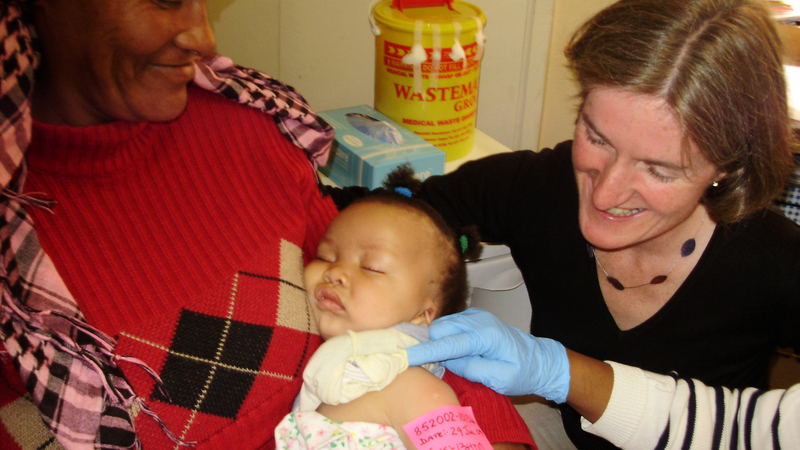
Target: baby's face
<point>374,269</point>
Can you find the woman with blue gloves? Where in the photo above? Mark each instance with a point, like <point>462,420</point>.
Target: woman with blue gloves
<point>631,408</point>
<point>647,238</point>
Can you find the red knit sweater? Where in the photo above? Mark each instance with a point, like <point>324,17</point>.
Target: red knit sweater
<point>186,241</point>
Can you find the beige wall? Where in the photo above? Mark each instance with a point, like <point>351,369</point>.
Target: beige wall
<point>249,31</point>
<point>326,51</point>
<point>560,102</point>
<point>559,106</point>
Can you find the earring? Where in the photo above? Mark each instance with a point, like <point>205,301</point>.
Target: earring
<point>715,184</point>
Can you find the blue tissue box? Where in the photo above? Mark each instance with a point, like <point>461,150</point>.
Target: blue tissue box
<point>369,145</point>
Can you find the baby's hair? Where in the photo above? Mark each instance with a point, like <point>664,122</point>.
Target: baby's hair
<point>459,246</point>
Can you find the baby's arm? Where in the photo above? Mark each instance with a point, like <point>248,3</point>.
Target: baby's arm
<point>413,393</point>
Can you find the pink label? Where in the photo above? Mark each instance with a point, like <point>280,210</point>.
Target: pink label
<point>450,427</point>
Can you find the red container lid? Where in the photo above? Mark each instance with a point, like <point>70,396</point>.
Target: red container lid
<point>400,4</point>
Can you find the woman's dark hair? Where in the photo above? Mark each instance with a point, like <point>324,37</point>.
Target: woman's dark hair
<point>458,246</point>
<point>718,65</point>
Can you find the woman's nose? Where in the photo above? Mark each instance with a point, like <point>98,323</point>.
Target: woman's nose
<point>612,186</point>
<point>197,35</point>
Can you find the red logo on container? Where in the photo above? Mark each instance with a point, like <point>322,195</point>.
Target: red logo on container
<point>393,55</point>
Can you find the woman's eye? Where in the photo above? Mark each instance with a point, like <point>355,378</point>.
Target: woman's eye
<point>658,175</point>
<point>169,3</point>
<point>595,139</point>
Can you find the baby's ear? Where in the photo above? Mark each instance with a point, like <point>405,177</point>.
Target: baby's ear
<point>426,316</point>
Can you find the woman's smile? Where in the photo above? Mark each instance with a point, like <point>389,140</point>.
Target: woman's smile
<point>622,212</point>
<point>178,74</point>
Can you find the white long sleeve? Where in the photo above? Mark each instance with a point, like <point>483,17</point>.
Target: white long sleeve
<point>648,410</point>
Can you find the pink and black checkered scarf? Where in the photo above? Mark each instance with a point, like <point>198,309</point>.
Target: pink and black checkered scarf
<point>71,369</point>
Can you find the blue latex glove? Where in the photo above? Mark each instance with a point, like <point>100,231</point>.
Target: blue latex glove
<point>478,346</point>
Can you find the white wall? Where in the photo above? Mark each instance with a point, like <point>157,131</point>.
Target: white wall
<point>560,103</point>
<point>326,50</point>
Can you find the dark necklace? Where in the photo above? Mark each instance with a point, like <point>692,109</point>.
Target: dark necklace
<point>686,249</point>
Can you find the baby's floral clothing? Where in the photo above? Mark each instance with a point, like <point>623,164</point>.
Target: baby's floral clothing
<point>313,431</point>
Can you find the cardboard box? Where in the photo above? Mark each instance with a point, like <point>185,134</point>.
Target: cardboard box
<point>362,159</point>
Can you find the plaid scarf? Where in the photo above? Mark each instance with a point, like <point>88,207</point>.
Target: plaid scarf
<point>69,368</point>
<point>259,90</point>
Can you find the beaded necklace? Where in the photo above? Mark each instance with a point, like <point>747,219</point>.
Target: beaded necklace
<point>686,249</point>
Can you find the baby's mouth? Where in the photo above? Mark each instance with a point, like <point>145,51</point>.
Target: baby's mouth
<point>327,298</point>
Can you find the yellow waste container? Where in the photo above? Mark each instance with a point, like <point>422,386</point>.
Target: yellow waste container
<point>427,70</point>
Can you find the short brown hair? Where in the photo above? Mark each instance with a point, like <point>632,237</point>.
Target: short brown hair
<point>718,65</point>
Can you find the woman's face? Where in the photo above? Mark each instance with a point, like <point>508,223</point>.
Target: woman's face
<point>636,182</point>
<point>106,60</point>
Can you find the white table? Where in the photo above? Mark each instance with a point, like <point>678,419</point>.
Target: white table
<point>482,146</point>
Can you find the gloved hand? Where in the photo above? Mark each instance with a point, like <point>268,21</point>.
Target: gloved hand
<point>478,346</point>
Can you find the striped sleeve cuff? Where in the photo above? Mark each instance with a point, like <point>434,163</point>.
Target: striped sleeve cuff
<point>623,417</point>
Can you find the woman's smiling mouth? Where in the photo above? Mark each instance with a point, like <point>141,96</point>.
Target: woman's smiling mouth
<point>622,212</point>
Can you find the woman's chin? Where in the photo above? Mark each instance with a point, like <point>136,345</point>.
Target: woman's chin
<point>155,103</point>
<point>165,110</point>
<point>602,238</point>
